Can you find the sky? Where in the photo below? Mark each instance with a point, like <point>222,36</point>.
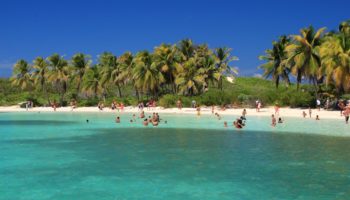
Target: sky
<point>40,28</point>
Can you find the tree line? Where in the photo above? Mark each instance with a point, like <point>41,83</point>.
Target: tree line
<point>315,55</point>
<point>183,68</point>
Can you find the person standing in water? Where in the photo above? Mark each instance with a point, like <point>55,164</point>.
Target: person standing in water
<point>346,114</point>
<point>310,112</point>
<point>198,110</point>
<point>244,113</point>
<point>273,120</point>
<point>304,114</point>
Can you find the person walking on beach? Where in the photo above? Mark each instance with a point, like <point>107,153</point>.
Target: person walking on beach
<point>310,112</point>
<point>318,103</point>
<point>277,109</point>
<point>259,106</point>
<point>179,104</point>
<point>341,106</point>
<point>256,105</point>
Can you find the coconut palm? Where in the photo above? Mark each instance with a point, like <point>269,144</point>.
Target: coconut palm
<point>303,56</point>
<point>165,57</point>
<point>276,65</point>
<point>40,75</point>
<point>92,83</point>
<point>223,59</point>
<point>59,74</point>
<point>21,74</point>
<point>108,64</point>
<point>80,63</point>
<point>146,74</point>
<point>335,53</point>
<point>186,48</point>
<point>127,65</point>
<point>190,80</point>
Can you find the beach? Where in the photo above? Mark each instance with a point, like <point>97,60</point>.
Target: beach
<point>264,112</point>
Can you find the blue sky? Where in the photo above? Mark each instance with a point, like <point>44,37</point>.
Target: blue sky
<point>41,28</point>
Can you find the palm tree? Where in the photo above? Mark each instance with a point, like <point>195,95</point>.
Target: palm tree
<point>276,65</point>
<point>108,64</point>
<point>223,59</point>
<point>59,74</point>
<point>80,63</point>
<point>303,56</point>
<point>189,80</point>
<point>40,75</point>
<point>335,53</point>
<point>92,83</point>
<point>186,48</point>
<point>146,74</point>
<point>165,57</point>
<point>21,74</point>
<point>127,65</point>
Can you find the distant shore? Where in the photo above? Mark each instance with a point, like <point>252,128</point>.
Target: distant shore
<point>268,111</point>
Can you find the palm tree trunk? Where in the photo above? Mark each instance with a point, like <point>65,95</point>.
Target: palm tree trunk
<point>119,91</point>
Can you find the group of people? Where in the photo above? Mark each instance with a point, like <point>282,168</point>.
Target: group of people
<point>310,114</point>
<point>117,106</point>
<point>154,119</point>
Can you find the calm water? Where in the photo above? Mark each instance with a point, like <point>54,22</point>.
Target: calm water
<point>60,156</point>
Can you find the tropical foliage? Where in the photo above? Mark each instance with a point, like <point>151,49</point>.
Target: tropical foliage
<point>184,69</point>
<point>313,55</point>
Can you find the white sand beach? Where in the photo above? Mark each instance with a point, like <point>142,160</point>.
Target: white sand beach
<point>284,111</point>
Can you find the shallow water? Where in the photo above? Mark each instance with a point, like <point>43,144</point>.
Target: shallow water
<point>60,156</point>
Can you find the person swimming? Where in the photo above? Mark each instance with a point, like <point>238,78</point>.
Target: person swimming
<point>87,121</point>
<point>142,114</point>
<point>239,123</point>
<point>145,122</point>
<point>225,124</point>
<point>117,120</point>
<point>280,120</point>
<point>317,117</point>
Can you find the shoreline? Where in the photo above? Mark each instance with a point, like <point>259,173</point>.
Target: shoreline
<point>264,112</point>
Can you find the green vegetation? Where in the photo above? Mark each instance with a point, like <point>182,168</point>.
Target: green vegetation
<point>315,56</point>
<point>190,72</point>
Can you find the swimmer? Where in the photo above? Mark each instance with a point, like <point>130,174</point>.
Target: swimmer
<point>238,123</point>
<point>280,120</point>
<point>87,121</point>
<point>225,124</point>
<point>117,120</point>
<point>145,122</point>
<point>131,121</point>
<point>317,117</point>
<point>142,114</point>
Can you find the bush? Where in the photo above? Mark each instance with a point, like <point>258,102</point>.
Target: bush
<point>168,100</point>
<point>88,102</point>
<point>345,96</point>
<point>301,99</point>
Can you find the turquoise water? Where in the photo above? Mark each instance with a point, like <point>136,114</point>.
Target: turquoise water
<point>60,156</point>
